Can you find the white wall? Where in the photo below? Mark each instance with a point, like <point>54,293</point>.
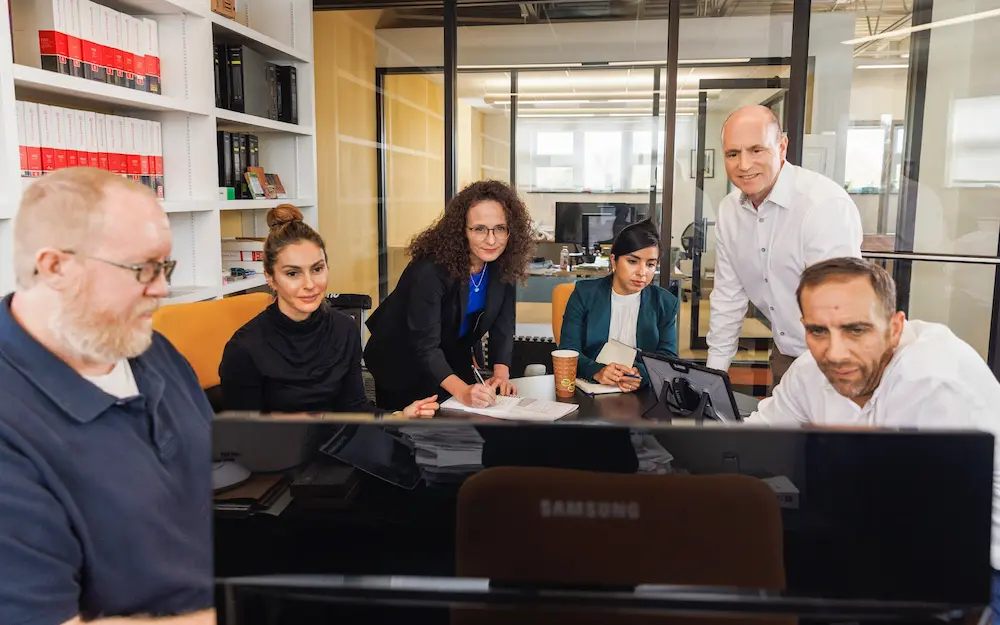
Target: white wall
<point>876,92</point>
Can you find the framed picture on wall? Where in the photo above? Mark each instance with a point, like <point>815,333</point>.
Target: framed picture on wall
<point>709,163</point>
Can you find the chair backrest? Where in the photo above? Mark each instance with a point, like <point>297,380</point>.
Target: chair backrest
<point>588,529</point>
<point>560,297</point>
<point>200,330</point>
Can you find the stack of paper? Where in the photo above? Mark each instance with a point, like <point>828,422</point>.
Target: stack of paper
<point>445,455</point>
<point>518,409</point>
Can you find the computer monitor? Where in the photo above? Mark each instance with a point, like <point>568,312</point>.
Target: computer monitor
<point>570,218</point>
<point>600,229</point>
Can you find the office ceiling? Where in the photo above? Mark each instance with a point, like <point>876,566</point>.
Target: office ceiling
<point>606,90</point>
<point>873,15</point>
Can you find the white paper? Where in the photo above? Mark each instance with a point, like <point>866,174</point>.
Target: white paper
<point>592,388</point>
<point>518,409</point>
<point>618,353</point>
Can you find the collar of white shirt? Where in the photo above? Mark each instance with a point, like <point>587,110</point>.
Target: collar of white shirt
<point>781,192</point>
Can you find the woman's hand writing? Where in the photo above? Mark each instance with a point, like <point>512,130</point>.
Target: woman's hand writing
<point>478,395</point>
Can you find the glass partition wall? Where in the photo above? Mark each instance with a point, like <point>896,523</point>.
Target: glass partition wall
<point>569,102</point>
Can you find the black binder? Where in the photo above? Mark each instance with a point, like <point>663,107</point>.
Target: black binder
<point>234,63</point>
<point>253,151</point>
<point>239,164</point>
<point>221,76</point>
<point>288,109</point>
<point>225,158</point>
<point>272,90</point>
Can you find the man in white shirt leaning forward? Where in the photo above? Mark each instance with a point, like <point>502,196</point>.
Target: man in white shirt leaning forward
<point>867,365</point>
<point>780,220</point>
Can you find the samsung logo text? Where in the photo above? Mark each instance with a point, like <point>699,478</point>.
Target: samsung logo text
<point>586,509</point>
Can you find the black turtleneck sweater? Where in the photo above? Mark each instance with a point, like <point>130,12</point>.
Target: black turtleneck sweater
<point>275,364</point>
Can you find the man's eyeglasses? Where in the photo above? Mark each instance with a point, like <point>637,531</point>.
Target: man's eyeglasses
<point>482,232</point>
<point>145,273</point>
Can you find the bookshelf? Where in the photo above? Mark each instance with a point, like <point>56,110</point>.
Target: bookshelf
<point>280,30</point>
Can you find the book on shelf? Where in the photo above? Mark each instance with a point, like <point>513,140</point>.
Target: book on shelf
<point>128,48</point>
<point>88,40</point>
<point>22,141</point>
<point>69,138</point>
<point>133,147</point>
<point>225,151</point>
<point>279,188</point>
<point>104,159</point>
<point>254,184</point>
<point>271,84</point>
<point>253,150</point>
<point>287,98</point>
<point>246,83</point>
<point>59,136</point>
<point>33,138</point>
<point>146,153</point>
<point>53,137</point>
<point>151,59</point>
<point>74,50</point>
<point>91,50</point>
<point>40,30</point>
<point>220,91</point>
<point>46,137</point>
<point>94,157</point>
<point>234,68</point>
<point>156,142</point>
<point>80,137</point>
<point>141,48</point>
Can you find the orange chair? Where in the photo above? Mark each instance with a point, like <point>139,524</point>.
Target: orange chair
<point>560,297</point>
<point>200,330</point>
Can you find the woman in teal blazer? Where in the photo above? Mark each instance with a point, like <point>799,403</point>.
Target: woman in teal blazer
<point>625,306</point>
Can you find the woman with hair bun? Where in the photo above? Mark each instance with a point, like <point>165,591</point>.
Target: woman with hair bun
<point>624,306</point>
<point>458,286</point>
<point>299,354</point>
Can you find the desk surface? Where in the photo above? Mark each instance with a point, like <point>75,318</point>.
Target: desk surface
<point>612,407</point>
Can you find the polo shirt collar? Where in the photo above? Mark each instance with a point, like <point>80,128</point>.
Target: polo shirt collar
<point>781,192</point>
<point>78,398</point>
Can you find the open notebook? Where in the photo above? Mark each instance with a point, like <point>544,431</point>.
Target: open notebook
<point>593,388</point>
<point>518,409</point>
<point>613,351</point>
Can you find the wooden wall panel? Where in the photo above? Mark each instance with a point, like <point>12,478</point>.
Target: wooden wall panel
<point>414,161</point>
<point>344,51</point>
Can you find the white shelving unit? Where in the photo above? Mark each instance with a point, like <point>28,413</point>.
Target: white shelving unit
<point>281,30</point>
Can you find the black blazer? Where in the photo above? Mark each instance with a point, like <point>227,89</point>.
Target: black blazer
<point>414,340</point>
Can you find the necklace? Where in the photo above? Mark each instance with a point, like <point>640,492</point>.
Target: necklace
<point>482,275</point>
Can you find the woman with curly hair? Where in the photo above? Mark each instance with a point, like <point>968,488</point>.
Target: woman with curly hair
<point>458,286</point>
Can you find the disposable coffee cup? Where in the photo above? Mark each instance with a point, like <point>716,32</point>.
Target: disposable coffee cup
<point>564,367</point>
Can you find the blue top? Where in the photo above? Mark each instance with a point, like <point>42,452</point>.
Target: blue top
<point>587,324</point>
<point>477,301</point>
<point>105,504</point>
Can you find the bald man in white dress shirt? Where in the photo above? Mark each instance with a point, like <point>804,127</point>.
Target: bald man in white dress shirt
<point>781,219</point>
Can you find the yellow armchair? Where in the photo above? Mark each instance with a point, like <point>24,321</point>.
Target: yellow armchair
<point>200,330</point>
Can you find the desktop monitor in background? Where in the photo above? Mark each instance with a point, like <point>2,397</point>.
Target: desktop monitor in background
<point>601,229</point>
<point>570,219</point>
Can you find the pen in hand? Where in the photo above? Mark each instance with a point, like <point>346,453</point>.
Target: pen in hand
<point>479,377</point>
